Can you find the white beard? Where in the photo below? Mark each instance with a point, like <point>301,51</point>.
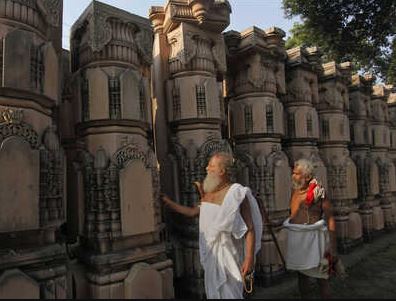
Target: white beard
<point>297,185</point>
<point>211,182</point>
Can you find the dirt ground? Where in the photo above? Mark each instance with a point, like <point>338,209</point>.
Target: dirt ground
<point>371,271</point>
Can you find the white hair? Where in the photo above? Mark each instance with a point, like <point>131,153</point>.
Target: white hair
<point>227,162</point>
<point>306,166</point>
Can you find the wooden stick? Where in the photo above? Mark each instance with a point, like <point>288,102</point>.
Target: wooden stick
<point>267,222</point>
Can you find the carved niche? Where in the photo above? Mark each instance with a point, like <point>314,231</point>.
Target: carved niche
<point>139,190</point>
<point>278,163</point>
<point>125,188</point>
<point>342,177</point>
<point>32,175</point>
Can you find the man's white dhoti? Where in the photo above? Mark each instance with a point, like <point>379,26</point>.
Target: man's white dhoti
<point>306,246</point>
<point>221,242</point>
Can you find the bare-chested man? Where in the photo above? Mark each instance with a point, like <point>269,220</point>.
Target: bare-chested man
<point>311,230</point>
<point>230,228</point>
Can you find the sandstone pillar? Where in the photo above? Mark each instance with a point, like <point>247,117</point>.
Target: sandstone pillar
<point>192,62</point>
<point>114,178</point>
<point>360,146</point>
<point>256,80</point>
<point>392,150</point>
<point>302,121</point>
<point>333,144</point>
<point>32,178</point>
<point>380,131</point>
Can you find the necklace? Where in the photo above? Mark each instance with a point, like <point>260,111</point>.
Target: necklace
<point>307,212</point>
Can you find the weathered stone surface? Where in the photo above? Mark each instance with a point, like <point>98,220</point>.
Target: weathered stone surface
<point>378,218</point>
<point>130,81</point>
<point>98,94</point>
<point>136,195</point>
<point>19,186</point>
<point>240,92</point>
<point>51,72</point>
<point>355,226</point>
<point>135,285</point>
<point>17,59</point>
<point>16,285</point>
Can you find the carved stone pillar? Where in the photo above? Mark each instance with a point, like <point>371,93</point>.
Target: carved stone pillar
<point>367,175</point>
<point>333,144</point>
<point>380,131</point>
<point>256,80</point>
<point>192,62</point>
<point>302,121</point>
<point>114,179</point>
<point>32,178</point>
<point>392,150</point>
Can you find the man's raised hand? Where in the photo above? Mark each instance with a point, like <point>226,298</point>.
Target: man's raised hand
<point>165,199</point>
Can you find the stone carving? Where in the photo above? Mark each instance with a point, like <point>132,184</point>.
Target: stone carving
<point>299,89</point>
<point>218,52</point>
<point>188,50</point>
<point>264,75</point>
<point>102,187</point>
<point>51,163</point>
<point>144,41</point>
<point>51,179</point>
<point>256,72</point>
<point>52,10</point>
<point>244,162</point>
<point>22,130</point>
<point>334,97</point>
<point>337,179</point>
<point>99,29</point>
<point>280,78</point>
<point>9,116</point>
<point>383,168</point>
<point>131,152</point>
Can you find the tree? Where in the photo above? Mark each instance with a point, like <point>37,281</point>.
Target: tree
<point>360,31</point>
<point>391,74</point>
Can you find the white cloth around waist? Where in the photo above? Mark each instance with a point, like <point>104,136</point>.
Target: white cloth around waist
<point>306,244</point>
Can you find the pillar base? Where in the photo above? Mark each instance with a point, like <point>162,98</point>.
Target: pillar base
<point>347,245</point>
<point>266,279</point>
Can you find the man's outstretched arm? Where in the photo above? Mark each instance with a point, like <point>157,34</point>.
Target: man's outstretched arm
<point>248,263</point>
<point>184,210</point>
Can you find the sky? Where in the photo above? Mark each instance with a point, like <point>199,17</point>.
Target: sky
<point>245,13</point>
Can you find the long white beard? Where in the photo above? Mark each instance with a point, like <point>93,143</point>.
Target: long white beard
<point>297,185</point>
<point>211,182</point>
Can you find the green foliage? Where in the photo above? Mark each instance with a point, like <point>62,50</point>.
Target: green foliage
<point>391,74</point>
<point>360,31</point>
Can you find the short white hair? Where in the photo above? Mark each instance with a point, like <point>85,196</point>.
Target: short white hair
<point>227,162</point>
<point>306,166</point>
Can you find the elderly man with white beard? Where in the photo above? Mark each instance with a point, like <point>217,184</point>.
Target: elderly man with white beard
<point>311,243</point>
<point>230,229</point>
